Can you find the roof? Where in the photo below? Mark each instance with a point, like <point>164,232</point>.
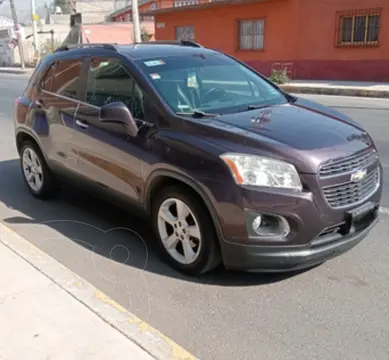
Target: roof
<point>5,22</point>
<point>128,8</point>
<point>148,51</point>
<point>138,51</point>
<point>205,5</point>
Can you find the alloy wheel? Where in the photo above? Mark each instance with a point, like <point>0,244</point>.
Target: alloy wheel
<point>32,169</point>
<point>179,231</point>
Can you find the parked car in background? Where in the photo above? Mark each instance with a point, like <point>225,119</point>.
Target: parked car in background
<point>228,168</point>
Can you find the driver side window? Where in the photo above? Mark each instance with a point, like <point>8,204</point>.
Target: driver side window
<point>108,81</point>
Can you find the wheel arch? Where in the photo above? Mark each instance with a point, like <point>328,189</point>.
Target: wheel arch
<point>160,179</point>
<point>24,135</point>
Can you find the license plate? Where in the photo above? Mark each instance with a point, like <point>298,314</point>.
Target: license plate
<point>362,211</point>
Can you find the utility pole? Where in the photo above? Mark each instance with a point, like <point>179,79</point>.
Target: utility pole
<point>20,39</point>
<point>135,21</point>
<point>34,18</point>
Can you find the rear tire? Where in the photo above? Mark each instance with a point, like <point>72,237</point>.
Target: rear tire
<point>37,176</point>
<point>186,235</point>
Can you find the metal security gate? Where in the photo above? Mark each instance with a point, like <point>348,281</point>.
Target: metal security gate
<point>185,33</point>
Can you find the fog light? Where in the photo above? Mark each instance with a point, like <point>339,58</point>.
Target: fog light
<point>268,225</point>
<point>257,223</point>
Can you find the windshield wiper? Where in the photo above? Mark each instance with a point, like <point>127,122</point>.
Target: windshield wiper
<point>254,107</point>
<point>197,114</point>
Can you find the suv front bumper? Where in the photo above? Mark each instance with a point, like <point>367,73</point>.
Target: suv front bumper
<point>311,240</point>
<point>288,258</point>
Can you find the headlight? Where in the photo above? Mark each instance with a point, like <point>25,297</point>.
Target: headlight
<point>262,171</point>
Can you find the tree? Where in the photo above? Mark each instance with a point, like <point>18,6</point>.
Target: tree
<point>63,4</point>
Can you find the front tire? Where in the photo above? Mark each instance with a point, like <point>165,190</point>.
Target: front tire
<point>39,179</point>
<point>186,235</point>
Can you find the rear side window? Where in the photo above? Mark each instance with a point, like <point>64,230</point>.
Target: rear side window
<point>64,78</point>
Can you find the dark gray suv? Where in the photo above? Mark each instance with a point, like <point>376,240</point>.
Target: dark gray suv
<point>229,168</point>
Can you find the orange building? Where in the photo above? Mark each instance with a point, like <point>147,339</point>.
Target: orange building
<point>125,14</point>
<point>312,39</point>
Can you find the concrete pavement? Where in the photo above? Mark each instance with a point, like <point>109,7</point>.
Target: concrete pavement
<point>334,312</point>
<point>341,88</point>
<point>57,315</point>
<point>49,322</point>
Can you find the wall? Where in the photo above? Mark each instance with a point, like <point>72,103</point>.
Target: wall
<point>299,35</point>
<point>217,28</point>
<point>100,6</point>
<point>320,58</point>
<point>60,33</point>
<point>125,16</point>
<point>6,53</point>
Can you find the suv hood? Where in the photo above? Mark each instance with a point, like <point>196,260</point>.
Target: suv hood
<point>304,133</point>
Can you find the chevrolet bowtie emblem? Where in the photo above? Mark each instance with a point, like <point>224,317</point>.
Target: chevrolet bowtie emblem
<point>358,175</point>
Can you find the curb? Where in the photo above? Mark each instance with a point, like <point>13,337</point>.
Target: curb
<point>16,71</point>
<point>139,332</point>
<point>357,92</point>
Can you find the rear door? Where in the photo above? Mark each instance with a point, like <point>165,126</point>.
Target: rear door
<point>58,97</point>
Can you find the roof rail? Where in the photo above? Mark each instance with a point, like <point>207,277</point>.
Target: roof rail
<point>190,43</point>
<point>90,45</point>
<point>171,42</point>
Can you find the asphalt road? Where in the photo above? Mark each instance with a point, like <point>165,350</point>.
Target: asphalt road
<point>339,310</point>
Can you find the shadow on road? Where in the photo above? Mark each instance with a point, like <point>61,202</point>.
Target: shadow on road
<point>102,228</point>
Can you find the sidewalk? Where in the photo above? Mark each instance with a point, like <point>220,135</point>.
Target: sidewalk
<point>48,312</point>
<point>342,88</point>
<point>16,70</point>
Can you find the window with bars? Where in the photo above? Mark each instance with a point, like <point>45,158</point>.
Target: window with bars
<point>179,3</point>
<point>251,34</point>
<point>185,33</point>
<point>359,28</point>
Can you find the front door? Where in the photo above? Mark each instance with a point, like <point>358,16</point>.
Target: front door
<point>108,156</point>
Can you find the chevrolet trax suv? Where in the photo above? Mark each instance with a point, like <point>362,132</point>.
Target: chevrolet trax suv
<point>229,168</point>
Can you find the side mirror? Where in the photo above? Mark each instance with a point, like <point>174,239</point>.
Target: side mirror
<point>118,113</point>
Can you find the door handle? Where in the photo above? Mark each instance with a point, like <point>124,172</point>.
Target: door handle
<point>81,124</point>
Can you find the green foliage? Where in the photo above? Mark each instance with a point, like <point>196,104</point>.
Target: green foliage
<point>144,35</point>
<point>279,76</point>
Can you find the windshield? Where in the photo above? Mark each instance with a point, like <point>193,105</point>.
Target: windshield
<point>209,83</point>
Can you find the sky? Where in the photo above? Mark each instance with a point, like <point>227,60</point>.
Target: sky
<point>23,8</point>
<point>24,12</point>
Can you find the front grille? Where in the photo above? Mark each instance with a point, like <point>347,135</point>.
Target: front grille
<point>349,163</point>
<point>352,193</point>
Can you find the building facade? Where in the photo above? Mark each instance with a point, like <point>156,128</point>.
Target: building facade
<point>125,14</point>
<point>318,40</point>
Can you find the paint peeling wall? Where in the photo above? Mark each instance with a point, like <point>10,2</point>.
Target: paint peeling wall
<point>6,53</point>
